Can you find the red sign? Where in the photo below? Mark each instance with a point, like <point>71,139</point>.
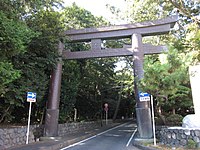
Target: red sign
<point>106,107</point>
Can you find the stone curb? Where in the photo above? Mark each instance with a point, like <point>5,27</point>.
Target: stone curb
<point>140,146</point>
<point>53,145</point>
<point>66,143</point>
<point>57,145</point>
<point>63,142</point>
<point>75,140</point>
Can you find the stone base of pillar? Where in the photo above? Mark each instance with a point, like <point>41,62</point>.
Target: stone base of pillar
<point>51,123</point>
<point>50,138</point>
<point>144,123</point>
<point>149,140</point>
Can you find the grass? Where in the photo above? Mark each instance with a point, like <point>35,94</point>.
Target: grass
<point>164,147</point>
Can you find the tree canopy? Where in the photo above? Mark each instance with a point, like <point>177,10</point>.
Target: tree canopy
<point>29,35</point>
<point>167,79</point>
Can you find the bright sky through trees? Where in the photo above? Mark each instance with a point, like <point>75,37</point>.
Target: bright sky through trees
<point>99,8</point>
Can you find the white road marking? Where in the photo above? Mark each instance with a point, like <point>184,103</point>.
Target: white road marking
<point>115,135</point>
<point>131,138</point>
<point>126,130</point>
<point>91,137</point>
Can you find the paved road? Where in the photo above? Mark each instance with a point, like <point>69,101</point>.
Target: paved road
<point>117,138</point>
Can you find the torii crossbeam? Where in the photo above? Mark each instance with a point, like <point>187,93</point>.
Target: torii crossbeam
<point>137,49</point>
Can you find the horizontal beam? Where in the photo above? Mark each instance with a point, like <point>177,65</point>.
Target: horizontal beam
<point>147,28</point>
<point>96,54</point>
<point>127,51</point>
<point>152,30</point>
<point>152,49</point>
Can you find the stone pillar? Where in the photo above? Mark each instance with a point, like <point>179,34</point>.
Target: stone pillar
<point>52,113</point>
<point>95,44</point>
<point>143,112</point>
<point>194,72</point>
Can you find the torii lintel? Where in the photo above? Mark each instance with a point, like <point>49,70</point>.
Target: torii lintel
<point>146,28</point>
<point>96,35</point>
<point>111,52</point>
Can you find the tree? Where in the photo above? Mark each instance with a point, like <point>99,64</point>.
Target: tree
<point>15,36</point>
<point>187,8</point>
<point>29,35</point>
<point>37,63</point>
<point>124,80</point>
<point>169,82</point>
<point>76,17</point>
<point>82,80</point>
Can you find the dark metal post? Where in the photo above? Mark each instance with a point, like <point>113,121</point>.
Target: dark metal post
<point>143,112</point>
<point>52,113</point>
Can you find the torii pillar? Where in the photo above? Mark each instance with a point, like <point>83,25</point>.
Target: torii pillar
<point>52,112</point>
<point>143,111</point>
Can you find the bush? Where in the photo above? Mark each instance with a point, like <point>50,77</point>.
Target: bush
<point>191,144</point>
<point>174,119</point>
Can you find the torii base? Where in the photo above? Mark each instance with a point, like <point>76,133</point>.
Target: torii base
<point>144,123</point>
<point>51,123</point>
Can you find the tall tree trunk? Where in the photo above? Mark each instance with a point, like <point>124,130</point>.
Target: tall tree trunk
<point>159,111</point>
<point>173,111</point>
<point>4,114</point>
<point>118,103</point>
<point>42,117</point>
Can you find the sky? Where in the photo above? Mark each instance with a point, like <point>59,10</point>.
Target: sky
<point>98,8</point>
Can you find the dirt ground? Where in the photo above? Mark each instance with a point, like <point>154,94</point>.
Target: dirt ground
<point>164,147</point>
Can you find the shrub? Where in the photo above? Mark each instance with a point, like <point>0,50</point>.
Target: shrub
<point>174,119</point>
<point>191,144</point>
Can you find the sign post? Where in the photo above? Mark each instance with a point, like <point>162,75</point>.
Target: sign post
<point>153,121</point>
<point>31,97</point>
<point>106,110</point>
<point>148,97</point>
<point>144,97</point>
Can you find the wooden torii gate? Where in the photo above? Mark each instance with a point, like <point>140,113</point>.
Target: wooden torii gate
<point>95,35</point>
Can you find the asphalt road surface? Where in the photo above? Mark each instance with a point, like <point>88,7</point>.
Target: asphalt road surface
<point>117,138</point>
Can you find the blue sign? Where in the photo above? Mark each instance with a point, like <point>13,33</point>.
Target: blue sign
<point>31,97</point>
<point>144,96</point>
<point>141,94</point>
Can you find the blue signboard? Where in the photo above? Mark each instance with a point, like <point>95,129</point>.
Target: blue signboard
<point>144,96</point>
<point>31,97</point>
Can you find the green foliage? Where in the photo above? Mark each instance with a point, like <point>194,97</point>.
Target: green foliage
<point>168,81</point>
<point>174,120</point>
<point>29,46</point>
<point>97,76</point>
<point>84,80</point>
<point>146,10</point>
<point>7,75</point>
<point>29,34</point>
<point>21,9</point>
<point>189,42</point>
<point>37,63</point>
<point>187,8</point>
<point>181,99</point>
<point>14,37</point>
<point>69,89</point>
<point>75,17</point>
<point>191,144</point>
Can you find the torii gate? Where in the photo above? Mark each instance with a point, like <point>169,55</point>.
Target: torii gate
<point>95,35</point>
